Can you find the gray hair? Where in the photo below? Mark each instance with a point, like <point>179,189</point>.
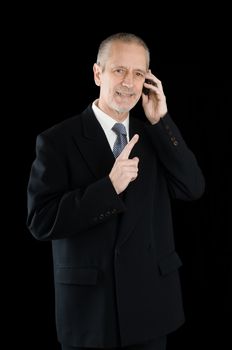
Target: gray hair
<point>124,37</point>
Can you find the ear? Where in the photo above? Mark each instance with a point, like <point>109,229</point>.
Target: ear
<point>97,74</point>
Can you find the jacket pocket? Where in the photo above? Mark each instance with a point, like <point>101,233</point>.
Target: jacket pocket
<point>169,264</point>
<point>73,275</point>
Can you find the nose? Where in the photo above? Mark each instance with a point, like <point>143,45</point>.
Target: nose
<point>128,80</point>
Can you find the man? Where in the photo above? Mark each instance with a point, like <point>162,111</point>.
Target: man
<point>107,208</point>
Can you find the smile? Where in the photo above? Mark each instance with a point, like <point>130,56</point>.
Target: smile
<point>124,94</point>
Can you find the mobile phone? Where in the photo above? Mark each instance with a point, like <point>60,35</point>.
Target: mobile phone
<point>146,90</point>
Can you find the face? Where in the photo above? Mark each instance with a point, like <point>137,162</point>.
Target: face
<point>121,78</point>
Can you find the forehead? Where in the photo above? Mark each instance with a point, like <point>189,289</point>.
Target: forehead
<point>127,54</point>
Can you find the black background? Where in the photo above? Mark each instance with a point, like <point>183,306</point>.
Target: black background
<point>192,63</point>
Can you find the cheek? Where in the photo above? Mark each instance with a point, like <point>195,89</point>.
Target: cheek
<point>108,87</point>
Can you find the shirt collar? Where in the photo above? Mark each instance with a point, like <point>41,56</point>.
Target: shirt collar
<point>105,120</point>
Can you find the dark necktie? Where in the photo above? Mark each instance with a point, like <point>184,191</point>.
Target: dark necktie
<point>121,139</point>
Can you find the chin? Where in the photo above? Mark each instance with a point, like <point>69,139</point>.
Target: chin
<point>123,109</point>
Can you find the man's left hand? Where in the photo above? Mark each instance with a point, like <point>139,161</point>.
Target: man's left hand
<point>154,104</point>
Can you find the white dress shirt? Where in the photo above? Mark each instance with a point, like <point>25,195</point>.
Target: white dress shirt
<point>107,123</point>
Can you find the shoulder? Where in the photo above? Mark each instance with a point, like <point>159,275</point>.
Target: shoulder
<point>64,127</point>
<point>68,127</point>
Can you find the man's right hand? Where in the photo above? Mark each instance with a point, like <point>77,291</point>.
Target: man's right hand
<point>125,170</point>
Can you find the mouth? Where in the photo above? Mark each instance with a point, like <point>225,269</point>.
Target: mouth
<point>124,94</point>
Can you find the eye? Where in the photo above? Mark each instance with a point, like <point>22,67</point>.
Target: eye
<point>139,75</point>
<point>119,71</point>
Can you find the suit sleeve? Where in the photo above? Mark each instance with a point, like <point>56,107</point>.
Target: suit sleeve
<point>55,211</point>
<point>184,176</point>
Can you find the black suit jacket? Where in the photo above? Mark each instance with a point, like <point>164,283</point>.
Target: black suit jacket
<point>115,264</point>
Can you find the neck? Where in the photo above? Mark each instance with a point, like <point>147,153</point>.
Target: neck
<point>113,113</point>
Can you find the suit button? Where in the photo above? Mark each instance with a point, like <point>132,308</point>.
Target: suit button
<point>101,216</point>
<point>108,213</point>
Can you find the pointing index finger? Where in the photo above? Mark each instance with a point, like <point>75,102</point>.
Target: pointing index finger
<point>128,148</point>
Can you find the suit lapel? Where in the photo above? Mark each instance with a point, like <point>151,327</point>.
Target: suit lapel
<point>94,145</point>
<point>97,153</point>
<point>136,193</point>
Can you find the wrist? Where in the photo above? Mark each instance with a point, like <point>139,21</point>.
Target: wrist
<point>114,185</point>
